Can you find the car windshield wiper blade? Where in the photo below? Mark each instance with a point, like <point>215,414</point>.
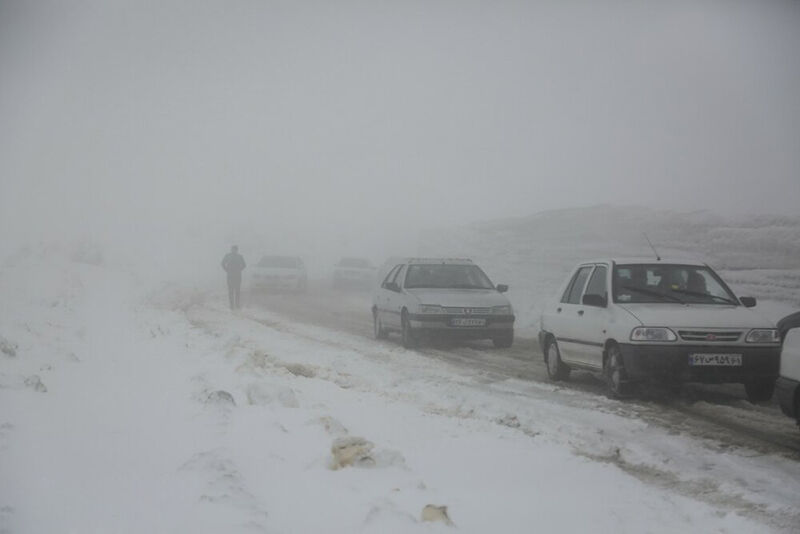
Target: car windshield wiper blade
<point>699,294</point>
<point>466,286</point>
<point>663,296</point>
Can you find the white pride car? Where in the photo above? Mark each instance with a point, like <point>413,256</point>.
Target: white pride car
<point>441,297</point>
<point>637,320</point>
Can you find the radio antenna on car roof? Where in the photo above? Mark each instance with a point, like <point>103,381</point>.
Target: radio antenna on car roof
<point>658,258</point>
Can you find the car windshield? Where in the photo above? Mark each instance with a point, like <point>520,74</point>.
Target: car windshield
<point>686,284</point>
<point>355,262</point>
<point>447,276</point>
<point>281,262</point>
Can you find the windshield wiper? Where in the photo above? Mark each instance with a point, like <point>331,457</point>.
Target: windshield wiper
<point>699,294</point>
<point>664,296</point>
<point>466,286</point>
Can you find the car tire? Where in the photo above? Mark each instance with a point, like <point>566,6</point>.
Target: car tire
<point>377,327</point>
<point>615,375</point>
<point>556,369</point>
<point>759,391</point>
<point>409,338</point>
<point>505,341</point>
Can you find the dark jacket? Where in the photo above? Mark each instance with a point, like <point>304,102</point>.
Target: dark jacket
<point>234,264</point>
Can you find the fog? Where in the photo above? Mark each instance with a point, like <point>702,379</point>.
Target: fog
<point>354,126</point>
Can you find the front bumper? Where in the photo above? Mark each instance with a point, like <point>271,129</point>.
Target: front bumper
<point>671,362</point>
<point>787,391</point>
<point>442,325</point>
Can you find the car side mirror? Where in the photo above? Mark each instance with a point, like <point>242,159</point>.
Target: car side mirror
<point>502,288</point>
<point>748,302</point>
<point>392,286</point>
<point>598,301</point>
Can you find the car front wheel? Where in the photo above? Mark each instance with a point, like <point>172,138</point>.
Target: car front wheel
<point>614,373</point>
<point>504,341</point>
<point>556,369</point>
<point>760,391</point>
<point>410,339</point>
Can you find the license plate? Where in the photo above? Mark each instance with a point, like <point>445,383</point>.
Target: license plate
<point>468,322</point>
<point>724,360</point>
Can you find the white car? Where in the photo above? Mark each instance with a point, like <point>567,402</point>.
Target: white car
<point>788,384</point>
<point>279,272</point>
<point>353,273</point>
<point>636,320</point>
<point>442,297</point>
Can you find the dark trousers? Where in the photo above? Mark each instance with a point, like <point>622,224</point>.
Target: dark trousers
<point>234,288</point>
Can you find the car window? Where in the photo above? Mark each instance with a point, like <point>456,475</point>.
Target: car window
<point>391,275</point>
<point>664,282</point>
<point>597,283</point>
<point>447,276</point>
<point>398,276</point>
<point>578,283</point>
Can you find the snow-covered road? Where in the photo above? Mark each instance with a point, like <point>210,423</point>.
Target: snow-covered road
<point>125,410</point>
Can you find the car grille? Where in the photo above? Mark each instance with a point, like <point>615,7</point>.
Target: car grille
<point>467,311</point>
<point>710,337</point>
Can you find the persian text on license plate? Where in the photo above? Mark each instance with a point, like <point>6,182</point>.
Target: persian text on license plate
<point>729,360</point>
<point>469,322</point>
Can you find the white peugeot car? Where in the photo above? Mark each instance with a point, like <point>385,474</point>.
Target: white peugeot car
<point>442,297</point>
<point>279,272</point>
<point>636,320</point>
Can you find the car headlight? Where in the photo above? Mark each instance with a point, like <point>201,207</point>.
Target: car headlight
<point>502,310</point>
<point>430,308</point>
<point>645,333</point>
<point>763,335</point>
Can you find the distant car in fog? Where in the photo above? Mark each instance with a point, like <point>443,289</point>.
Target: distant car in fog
<point>353,273</point>
<point>441,297</point>
<point>788,384</point>
<point>640,320</point>
<point>279,272</point>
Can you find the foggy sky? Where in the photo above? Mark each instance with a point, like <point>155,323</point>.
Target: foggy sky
<point>349,120</point>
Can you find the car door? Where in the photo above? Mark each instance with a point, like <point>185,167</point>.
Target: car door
<point>567,315</point>
<point>395,300</point>
<point>592,319</point>
<point>384,297</point>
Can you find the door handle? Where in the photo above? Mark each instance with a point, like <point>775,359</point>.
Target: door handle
<point>558,310</point>
<point>580,312</point>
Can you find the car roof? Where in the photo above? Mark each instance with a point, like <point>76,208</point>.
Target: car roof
<point>438,261</point>
<point>647,261</point>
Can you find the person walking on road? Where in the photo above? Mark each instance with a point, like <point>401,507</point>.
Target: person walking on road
<point>234,264</point>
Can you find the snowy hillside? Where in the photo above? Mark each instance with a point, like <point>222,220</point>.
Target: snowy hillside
<point>758,255</point>
<point>130,407</point>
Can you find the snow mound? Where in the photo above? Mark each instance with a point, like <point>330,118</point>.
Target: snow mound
<point>351,451</point>
<point>34,382</point>
<point>299,369</point>
<point>259,394</point>
<point>435,513</point>
<point>7,347</point>
<point>221,398</point>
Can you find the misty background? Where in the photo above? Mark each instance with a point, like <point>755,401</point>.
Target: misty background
<point>354,128</point>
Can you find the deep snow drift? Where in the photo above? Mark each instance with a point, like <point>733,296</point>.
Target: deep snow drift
<point>129,407</point>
